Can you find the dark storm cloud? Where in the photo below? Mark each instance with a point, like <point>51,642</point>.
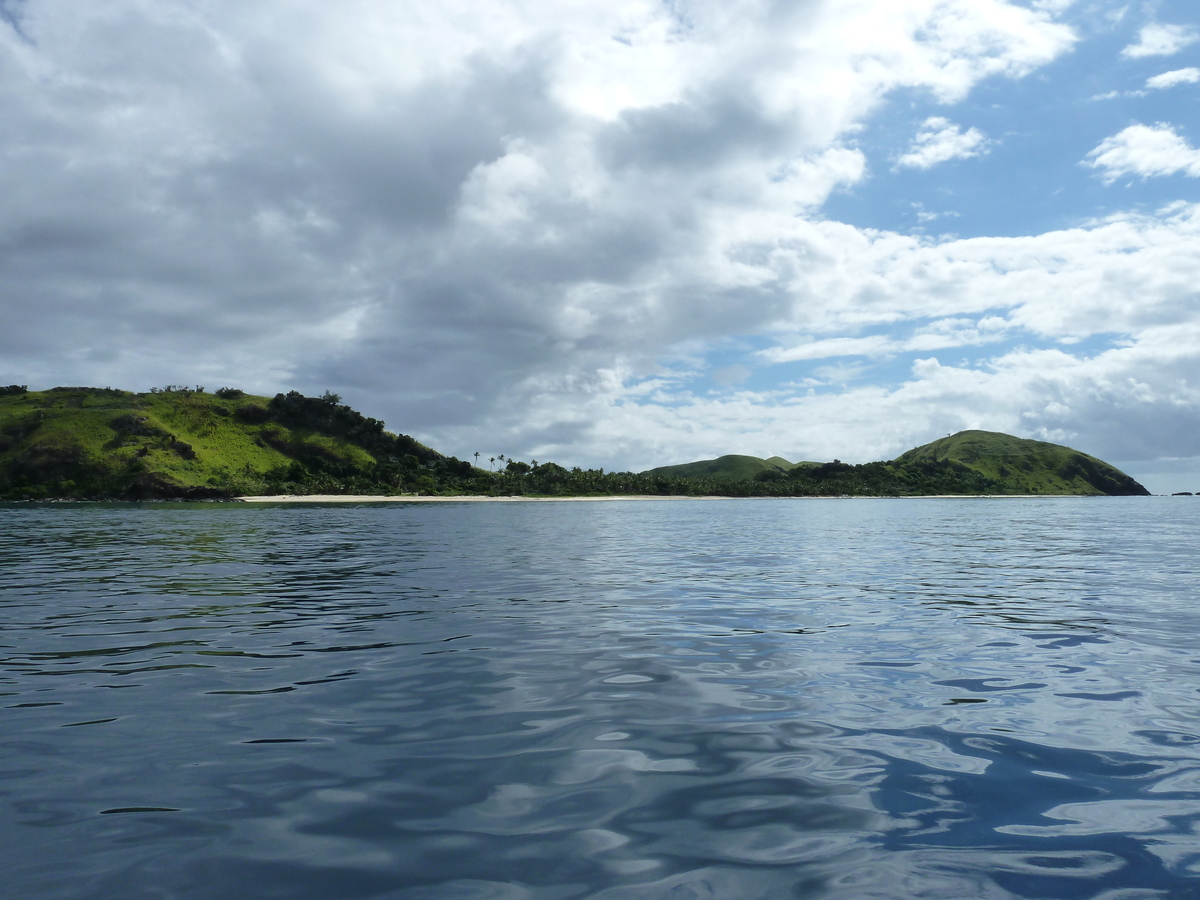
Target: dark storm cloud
<point>698,135</point>
<point>400,164</point>
<point>269,205</point>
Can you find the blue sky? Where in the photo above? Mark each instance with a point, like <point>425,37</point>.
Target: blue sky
<point>625,234</point>
<point>1039,129</point>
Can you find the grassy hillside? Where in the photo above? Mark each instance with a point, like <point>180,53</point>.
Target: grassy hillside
<point>781,463</point>
<point>99,442</point>
<point>728,468</point>
<point>1023,466</point>
<point>724,468</point>
<point>970,462</point>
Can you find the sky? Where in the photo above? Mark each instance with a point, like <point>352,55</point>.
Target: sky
<point>620,234</point>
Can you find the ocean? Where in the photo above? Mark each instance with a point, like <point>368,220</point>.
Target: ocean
<point>684,699</point>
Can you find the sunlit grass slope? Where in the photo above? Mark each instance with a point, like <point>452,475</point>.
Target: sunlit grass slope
<point>730,468</point>
<point>970,462</point>
<point>724,468</point>
<point>1024,466</point>
<point>100,442</point>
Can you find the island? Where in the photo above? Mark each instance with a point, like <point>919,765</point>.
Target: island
<point>186,443</point>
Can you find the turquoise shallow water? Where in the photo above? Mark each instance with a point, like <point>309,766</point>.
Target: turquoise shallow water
<point>677,699</point>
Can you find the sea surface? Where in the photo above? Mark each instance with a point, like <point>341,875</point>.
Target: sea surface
<point>684,699</point>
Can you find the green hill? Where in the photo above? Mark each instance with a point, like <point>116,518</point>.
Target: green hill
<point>782,463</point>
<point>728,468</point>
<point>1025,466</point>
<point>102,443</point>
<point>970,462</point>
<point>724,468</point>
<point>99,443</point>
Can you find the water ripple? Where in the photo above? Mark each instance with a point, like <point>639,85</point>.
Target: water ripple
<point>860,699</point>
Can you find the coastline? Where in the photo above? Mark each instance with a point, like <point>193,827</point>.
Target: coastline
<point>461,498</point>
<point>469,498</point>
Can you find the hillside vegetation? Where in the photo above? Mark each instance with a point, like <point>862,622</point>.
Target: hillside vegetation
<point>100,443</point>
<point>728,468</point>
<point>1025,466</point>
<point>970,462</point>
<point>105,443</point>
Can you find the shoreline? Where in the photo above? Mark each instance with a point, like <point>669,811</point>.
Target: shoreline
<point>470,498</point>
<point>462,498</point>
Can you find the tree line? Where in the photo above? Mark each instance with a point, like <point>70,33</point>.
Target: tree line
<point>449,475</point>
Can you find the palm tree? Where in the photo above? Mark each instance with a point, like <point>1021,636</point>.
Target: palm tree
<point>492,461</point>
<point>477,459</point>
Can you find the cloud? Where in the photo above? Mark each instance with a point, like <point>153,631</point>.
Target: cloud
<point>935,335</point>
<point>1130,278</point>
<point>939,141</point>
<point>1160,40</point>
<point>432,205</point>
<point>1125,403</point>
<point>1146,151</point>
<point>875,346</point>
<point>927,215</point>
<point>735,374</point>
<point>522,227</point>
<point>1190,75</point>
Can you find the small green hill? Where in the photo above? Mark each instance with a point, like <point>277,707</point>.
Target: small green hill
<point>780,463</point>
<point>1023,465</point>
<point>733,467</point>
<point>970,462</point>
<point>724,468</point>
<point>90,443</point>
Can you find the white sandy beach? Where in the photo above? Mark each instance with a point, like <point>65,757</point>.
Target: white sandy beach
<point>466,498</point>
<point>417,498</point>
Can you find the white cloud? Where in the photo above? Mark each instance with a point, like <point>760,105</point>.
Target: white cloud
<point>446,171</point>
<point>928,215</point>
<point>1111,404</point>
<point>1054,6</point>
<point>735,374</point>
<point>1190,75</point>
<point>500,228</point>
<point>1131,278</point>
<point>1160,40</point>
<point>938,141</point>
<point>1146,151</point>
<point>876,345</point>
<point>935,335</point>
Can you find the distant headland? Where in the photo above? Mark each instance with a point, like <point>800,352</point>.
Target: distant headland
<point>83,443</point>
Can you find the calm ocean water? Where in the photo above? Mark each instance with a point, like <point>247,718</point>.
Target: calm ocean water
<point>618,700</point>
